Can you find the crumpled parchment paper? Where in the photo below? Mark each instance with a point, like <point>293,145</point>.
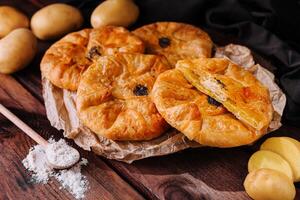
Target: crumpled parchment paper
<point>61,112</point>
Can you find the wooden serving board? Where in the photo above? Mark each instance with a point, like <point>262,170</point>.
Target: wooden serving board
<point>204,173</point>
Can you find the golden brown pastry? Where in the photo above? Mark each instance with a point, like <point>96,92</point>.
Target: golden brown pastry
<point>236,88</point>
<point>113,97</point>
<point>108,40</point>
<point>175,41</point>
<point>198,116</point>
<point>65,61</point>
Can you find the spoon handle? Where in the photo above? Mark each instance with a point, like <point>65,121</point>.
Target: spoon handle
<point>24,127</point>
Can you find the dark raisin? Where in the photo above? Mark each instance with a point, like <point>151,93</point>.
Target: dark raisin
<point>93,52</point>
<point>140,90</point>
<point>212,101</point>
<point>164,42</point>
<point>221,83</point>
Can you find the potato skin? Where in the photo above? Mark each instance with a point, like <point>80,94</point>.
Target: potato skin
<point>288,148</point>
<point>269,184</point>
<point>115,12</point>
<point>17,49</point>
<point>55,20</point>
<point>270,160</point>
<point>10,19</point>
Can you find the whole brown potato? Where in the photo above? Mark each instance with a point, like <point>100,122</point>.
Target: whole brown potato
<point>115,12</point>
<point>10,19</point>
<point>17,49</point>
<point>55,20</point>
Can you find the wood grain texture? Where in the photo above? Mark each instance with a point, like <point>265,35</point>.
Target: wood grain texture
<point>204,173</point>
<point>15,181</point>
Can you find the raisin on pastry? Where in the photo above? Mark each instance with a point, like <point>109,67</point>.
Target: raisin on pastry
<point>66,60</point>
<point>234,87</point>
<point>175,41</point>
<point>192,113</point>
<point>113,97</point>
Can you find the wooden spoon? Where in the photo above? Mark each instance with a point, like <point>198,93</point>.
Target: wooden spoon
<point>38,139</point>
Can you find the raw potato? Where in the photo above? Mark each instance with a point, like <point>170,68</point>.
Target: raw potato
<point>10,19</point>
<point>296,142</point>
<point>17,49</point>
<point>268,184</point>
<point>289,150</point>
<point>55,20</point>
<point>115,12</point>
<point>270,160</point>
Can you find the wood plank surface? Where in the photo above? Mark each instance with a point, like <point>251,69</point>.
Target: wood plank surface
<point>204,173</point>
<point>14,144</point>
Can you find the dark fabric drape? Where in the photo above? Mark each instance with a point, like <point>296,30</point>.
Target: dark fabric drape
<point>269,27</point>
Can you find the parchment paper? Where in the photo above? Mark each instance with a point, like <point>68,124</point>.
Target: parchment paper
<point>61,112</point>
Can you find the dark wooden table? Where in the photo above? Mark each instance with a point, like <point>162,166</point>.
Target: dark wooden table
<point>204,173</point>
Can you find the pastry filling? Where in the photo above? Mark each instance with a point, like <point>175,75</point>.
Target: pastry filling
<point>212,101</point>
<point>220,82</point>
<point>214,86</point>
<point>164,42</point>
<point>140,90</point>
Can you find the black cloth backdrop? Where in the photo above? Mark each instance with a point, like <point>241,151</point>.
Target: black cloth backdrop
<point>269,27</point>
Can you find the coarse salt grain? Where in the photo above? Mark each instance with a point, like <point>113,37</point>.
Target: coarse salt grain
<point>70,179</point>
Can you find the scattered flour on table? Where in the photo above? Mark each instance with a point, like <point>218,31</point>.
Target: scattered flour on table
<point>70,179</point>
<point>37,163</point>
<point>73,181</point>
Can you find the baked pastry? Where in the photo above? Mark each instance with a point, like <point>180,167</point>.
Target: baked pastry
<point>108,40</point>
<point>113,97</point>
<point>175,41</point>
<point>236,88</point>
<point>65,61</point>
<point>198,116</point>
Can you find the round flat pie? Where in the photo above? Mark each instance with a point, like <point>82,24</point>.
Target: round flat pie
<point>113,97</point>
<point>108,40</point>
<point>175,41</point>
<point>236,88</point>
<point>65,61</point>
<point>198,116</point>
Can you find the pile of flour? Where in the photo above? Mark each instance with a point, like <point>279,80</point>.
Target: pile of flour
<point>61,155</point>
<point>70,179</point>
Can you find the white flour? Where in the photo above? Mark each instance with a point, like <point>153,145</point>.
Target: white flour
<point>61,155</point>
<point>37,163</point>
<point>70,179</point>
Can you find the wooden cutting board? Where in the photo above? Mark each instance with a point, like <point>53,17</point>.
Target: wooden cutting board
<point>204,173</point>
